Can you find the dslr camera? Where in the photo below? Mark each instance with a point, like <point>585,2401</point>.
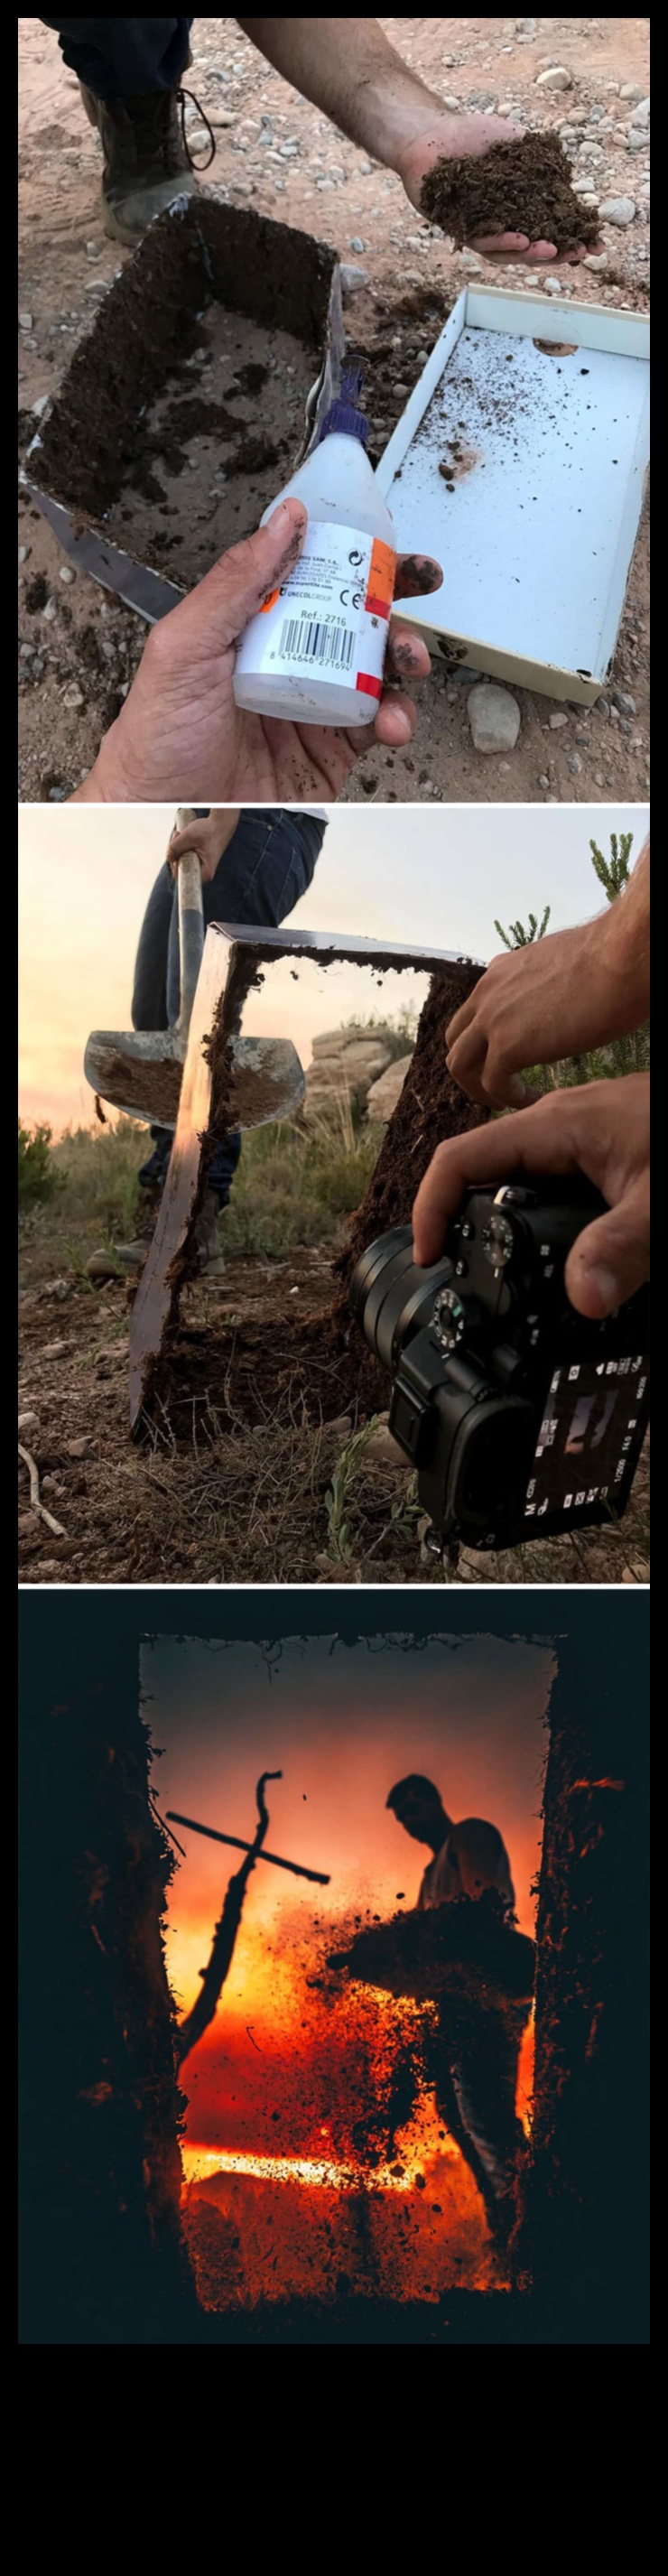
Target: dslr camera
<point>521,1417</point>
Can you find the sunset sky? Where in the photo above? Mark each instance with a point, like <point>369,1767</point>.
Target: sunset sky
<point>342,1726</point>
<point>437,876</point>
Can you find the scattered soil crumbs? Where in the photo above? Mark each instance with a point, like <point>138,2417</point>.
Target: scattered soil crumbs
<point>519,187</point>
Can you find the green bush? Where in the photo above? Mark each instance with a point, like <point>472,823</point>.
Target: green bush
<point>37,1178</point>
<point>97,1171</point>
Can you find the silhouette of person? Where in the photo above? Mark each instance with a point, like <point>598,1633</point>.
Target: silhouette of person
<point>477,2044</point>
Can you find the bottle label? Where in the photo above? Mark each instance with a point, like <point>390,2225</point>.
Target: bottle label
<point>329,620</point>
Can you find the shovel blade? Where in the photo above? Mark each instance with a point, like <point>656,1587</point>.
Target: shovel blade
<point>138,1071</point>
<point>267,1081</point>
<point>140,1074</point>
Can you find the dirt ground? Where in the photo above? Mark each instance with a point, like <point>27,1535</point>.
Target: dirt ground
<point>78,648</point>
<point>248,1505</point>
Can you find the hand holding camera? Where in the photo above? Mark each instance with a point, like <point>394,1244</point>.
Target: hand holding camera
<point>522,1414</point>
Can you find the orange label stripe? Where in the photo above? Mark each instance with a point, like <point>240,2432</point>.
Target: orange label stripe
<point>382,574</point>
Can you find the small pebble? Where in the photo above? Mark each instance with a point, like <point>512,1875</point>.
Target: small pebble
<point>556,721</point>
<point>25,321</point>
<point>66,574</point>
<point>556,77</point>
<point>617,210</point>
<point>494,718</point>
<point>574,763</point>
<point>356,243</point>
<point>40,406</point>
<point>353,279</point>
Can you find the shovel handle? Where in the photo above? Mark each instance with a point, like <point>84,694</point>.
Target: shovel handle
<point>191,921</point>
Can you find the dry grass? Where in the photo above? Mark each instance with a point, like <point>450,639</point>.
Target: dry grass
<point>293,1186</point>
<point>287,1501</point>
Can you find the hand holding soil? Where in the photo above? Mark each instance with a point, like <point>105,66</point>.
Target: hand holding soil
<point>601,1129</point>
<point>180,733</point>
<point>506,193</point>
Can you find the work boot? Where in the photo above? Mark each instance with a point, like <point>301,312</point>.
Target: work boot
<point>208,1262</point>
<point>147,161</point>
<point>132,1255</point>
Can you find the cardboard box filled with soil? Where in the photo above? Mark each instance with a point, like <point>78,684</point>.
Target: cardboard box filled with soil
<point>190,400</point>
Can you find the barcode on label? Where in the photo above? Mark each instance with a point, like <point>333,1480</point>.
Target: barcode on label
<point>306,639</point>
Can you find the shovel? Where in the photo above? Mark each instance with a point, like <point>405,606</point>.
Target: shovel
<point>140,1070</point>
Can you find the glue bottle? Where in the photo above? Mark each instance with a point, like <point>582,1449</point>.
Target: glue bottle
<point>314,652</point>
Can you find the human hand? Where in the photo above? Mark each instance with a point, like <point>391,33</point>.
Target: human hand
<point>209,835</point>
<point>451,138</point>
<point>180,733</point>
<point>553,998</point>
<point>601,1129</point>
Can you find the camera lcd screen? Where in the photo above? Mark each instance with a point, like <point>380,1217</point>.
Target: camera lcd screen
<point>593,1423</point>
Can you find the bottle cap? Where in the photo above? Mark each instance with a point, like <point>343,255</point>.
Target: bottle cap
<point>348,423</point>
<point>344,414</point>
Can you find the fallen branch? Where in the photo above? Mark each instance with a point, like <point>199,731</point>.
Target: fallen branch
<point>37,1506</point>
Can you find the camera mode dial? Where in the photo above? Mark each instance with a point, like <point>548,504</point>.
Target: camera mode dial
<point>448,1319</point>
<point>498,1239</point>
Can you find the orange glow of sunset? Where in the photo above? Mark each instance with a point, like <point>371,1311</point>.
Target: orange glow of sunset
<point>286,2089</point>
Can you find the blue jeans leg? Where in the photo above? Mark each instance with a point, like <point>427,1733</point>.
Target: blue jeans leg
<point>124,57</point>
<point>267,865</point>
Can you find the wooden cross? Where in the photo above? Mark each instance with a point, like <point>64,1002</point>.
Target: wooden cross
<point>222,1948</point>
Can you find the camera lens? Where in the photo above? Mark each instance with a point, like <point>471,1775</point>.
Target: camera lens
<point>390,1297</point>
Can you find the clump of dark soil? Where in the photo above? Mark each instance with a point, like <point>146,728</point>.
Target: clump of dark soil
<point>421,1955</point>
<point>36,594</point>
<point>519,187</point>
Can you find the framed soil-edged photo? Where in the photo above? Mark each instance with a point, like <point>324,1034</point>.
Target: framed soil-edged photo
<point>333,1964</point>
